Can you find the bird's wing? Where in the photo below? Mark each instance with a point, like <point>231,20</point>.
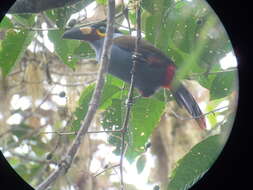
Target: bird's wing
<point>148,52</point>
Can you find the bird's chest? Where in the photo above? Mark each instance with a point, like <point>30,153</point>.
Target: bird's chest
<point>120,63</point>
<point>146,76</point>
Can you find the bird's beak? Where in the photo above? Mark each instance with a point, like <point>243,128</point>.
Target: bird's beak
<point>77,33</point>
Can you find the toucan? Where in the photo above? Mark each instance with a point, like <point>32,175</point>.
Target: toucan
<point>153,70</point>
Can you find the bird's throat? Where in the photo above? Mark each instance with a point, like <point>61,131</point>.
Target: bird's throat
<point>170,72</point>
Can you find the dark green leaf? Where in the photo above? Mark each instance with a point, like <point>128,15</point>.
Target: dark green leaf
<point>195,163</point>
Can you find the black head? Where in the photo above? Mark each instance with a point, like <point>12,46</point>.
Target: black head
<point>88,33</point>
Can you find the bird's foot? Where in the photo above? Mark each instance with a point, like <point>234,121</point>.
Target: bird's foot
<point>138,57</point>
<point>130,102</point>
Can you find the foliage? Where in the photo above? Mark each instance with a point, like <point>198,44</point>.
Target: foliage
<point>195,163</point>
<point>13,46</point>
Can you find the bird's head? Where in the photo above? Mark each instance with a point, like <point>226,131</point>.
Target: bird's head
<point>88,33</point>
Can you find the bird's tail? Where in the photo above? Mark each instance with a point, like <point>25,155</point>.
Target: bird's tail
<point>184,98</point>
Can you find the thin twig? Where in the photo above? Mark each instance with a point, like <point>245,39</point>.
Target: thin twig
<point>106,169</point>
<point>75,132</point>
<point>125,12</point>
<point>196,117</point>
<point>130,96</point>
<point>211,73</point>
<point>120,130</point>
<point>104,62</point>
<point>74,74</point>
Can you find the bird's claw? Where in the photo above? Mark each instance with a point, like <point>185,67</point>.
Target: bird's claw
<point>138,57</point>
<point>130,102</point>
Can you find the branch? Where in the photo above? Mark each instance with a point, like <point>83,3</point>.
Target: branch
<point>106,169</point>
<point>125,12</point>
<point>130,95</point>
<point>104,62</point>
<point>196,117</point>
<point>211,73</point>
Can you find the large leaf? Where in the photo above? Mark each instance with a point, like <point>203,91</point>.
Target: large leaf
<point>69,51</point>
<point>196,163</point>
<point>64,48</point>
<point>13,47</point>
<point>60,16</point>
<point>26,20</point>
<point>223,84</point>
<point>84,101</point>
<point>145,115</point>
<point>113,118</point>
<point>6,23</point>
<point>84,51</point>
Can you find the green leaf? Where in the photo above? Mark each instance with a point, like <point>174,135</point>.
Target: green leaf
<point>145,115</point>
<point>6,23</point>
<point>39,148</point>
<point>84,51</point>
<point>64,48</point>
<point>23,171</point>
<point>212,105</point>
<point>59,16</point>
<point>195,163</point>
<point>83,105</point>
<point>109,93</point>
<point>223,84</point>
<point>27,20</point>
<point>140,164</point>
<point>102,2</point>
<point>189,33</point>
<point>106,100</point>
<point>112,80</point>
<point>112,121</point>
<point>13,47</point>
<point>20,130</point>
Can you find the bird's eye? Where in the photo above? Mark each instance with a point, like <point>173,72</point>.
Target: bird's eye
<point>102,29</point>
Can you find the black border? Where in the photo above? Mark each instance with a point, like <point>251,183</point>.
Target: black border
<point>232,170</point>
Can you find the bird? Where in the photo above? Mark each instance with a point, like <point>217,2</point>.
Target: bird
<point>154,69</point>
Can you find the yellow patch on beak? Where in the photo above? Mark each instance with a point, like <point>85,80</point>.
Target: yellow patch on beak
<point>101,34</point>
<point>86,30</point>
